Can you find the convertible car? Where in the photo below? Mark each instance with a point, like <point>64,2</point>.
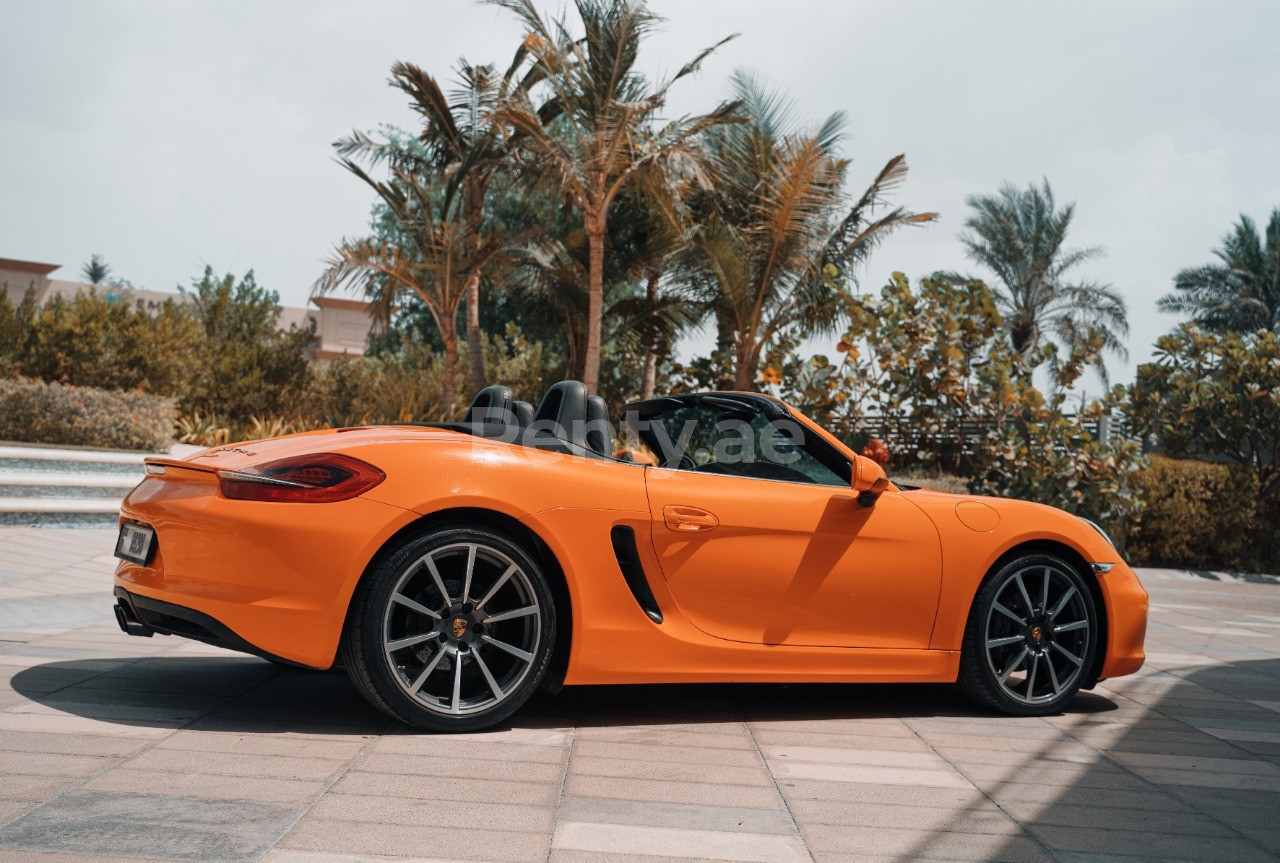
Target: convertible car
<point>454,568</point>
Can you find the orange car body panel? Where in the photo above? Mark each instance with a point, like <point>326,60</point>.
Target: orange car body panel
<point>813,586</point>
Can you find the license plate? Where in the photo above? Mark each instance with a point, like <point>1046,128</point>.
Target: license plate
<point>135,543</point>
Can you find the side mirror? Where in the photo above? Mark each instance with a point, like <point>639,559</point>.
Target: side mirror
<point>869,481</point>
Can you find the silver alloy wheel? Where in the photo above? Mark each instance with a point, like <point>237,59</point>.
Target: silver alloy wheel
<point>1037,634</point>
<point>462,628</point>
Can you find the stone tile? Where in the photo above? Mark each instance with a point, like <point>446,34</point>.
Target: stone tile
<point>216,787</point>
<point>978,817</point>
<point>1162,846</point>
<point>661,752</point>
<point>990,776</point>
<point>1195,778</point>
<point>924,759</point>
<point>443,812</point>
<point>667,737</point>
<point>447,747</point>
<point>565,855</point>
<point>868,792</point>
<point>237,764</point>
<point>1115,818</point>
<point>178,828</point>
<point>11,809</point>
<point>68,744</point>
<point>287,855</point>
<point>395,840</point>
<point>378,783</point>
<point>25,787</point>
<point>880,743</point>
<point>668,771</point>
<point>755,796</point>
<point>31,856</point>
<point>66,723</point>
<point>325,748</point>
<point>477,768</point>
<point>687,816</point>
<point>940,777</point>
<point>52,764</point>
<point>1033,793</point>
<point>832,843</point>
<point>708,844</point>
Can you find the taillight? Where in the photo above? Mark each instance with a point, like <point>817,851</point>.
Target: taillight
<point>324,478</point>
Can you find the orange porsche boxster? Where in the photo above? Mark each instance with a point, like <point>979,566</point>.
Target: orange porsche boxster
<point>454,568</point>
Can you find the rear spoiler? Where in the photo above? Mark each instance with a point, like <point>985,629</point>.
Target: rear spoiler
<point>182,464</point>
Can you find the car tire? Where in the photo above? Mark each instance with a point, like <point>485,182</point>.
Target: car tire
<point>452,630</point>
<point>1031,636</point>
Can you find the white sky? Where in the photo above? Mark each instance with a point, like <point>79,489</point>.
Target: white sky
<point>167,135</point>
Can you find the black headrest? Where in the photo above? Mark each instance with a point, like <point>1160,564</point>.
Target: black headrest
<point>524,413</point>
<point>564,403</point>
<point>599,436</point>
<point>491,405</point>
<point>562,417</point>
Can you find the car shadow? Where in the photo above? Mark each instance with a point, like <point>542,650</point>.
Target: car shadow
<point>248,695</point>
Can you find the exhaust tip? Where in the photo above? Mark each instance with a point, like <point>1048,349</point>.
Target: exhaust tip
<point>129,624</point>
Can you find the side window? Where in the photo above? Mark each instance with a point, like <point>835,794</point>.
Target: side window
<point>740,444</point>
<point>798,458</point>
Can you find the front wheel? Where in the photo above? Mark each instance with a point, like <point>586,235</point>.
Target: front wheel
<point>453,631</point>
<point>1030,639</point>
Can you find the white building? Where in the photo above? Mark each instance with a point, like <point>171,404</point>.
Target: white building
<point>342,326</point>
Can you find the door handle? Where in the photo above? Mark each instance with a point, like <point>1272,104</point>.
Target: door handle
<point>687,519</point>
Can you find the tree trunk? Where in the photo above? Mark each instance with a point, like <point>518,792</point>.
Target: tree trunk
<point>726,332</point>
<point>447,385</point>
<point>744,373</point>
<point>475,340</point>
<point>650,378</point>
<point>595,305</point>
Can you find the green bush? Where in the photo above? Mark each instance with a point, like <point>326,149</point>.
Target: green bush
<point>1197,514</point>
<point>39,412</point>
<point>247,366</point>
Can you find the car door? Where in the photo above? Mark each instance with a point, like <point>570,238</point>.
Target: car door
<point>794,563</point>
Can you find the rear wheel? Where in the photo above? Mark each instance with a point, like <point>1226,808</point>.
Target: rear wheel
<point>1030,638</point>
<point>453,631</point>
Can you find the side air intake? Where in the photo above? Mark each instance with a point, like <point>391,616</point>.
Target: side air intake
<point>624,548</point>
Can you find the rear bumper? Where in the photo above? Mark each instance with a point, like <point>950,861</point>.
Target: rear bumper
<point>276,576</point>
<point>141,615</point>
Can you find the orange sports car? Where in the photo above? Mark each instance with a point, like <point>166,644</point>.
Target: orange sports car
<point>453,568</point>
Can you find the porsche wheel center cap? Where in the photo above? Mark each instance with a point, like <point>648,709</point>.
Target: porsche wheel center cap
<point>1036,633</point>
<point>459,626</point>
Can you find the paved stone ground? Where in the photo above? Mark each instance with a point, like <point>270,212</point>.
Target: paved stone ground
<point>117,748</point>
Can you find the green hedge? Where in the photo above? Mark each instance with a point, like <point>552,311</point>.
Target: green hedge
<point>1199,515</point>
<point>38,412</point>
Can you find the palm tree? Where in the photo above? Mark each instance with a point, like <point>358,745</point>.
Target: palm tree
<point>594,133</point>
<point>653,229</point>
<point>776,234</point>
<point>1019,235</point>
<point>553,280</point>
<point>460,139</point>
<point>1240,294</point>
<point>96,271</point>
<point>435,256</point>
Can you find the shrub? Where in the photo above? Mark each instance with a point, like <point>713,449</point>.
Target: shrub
<point>39,412</point>
<point>1197,514</point>
<point>928,360</point>
<point>90,340</point>
<point>248,366</point>
<point>1218,394</point>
